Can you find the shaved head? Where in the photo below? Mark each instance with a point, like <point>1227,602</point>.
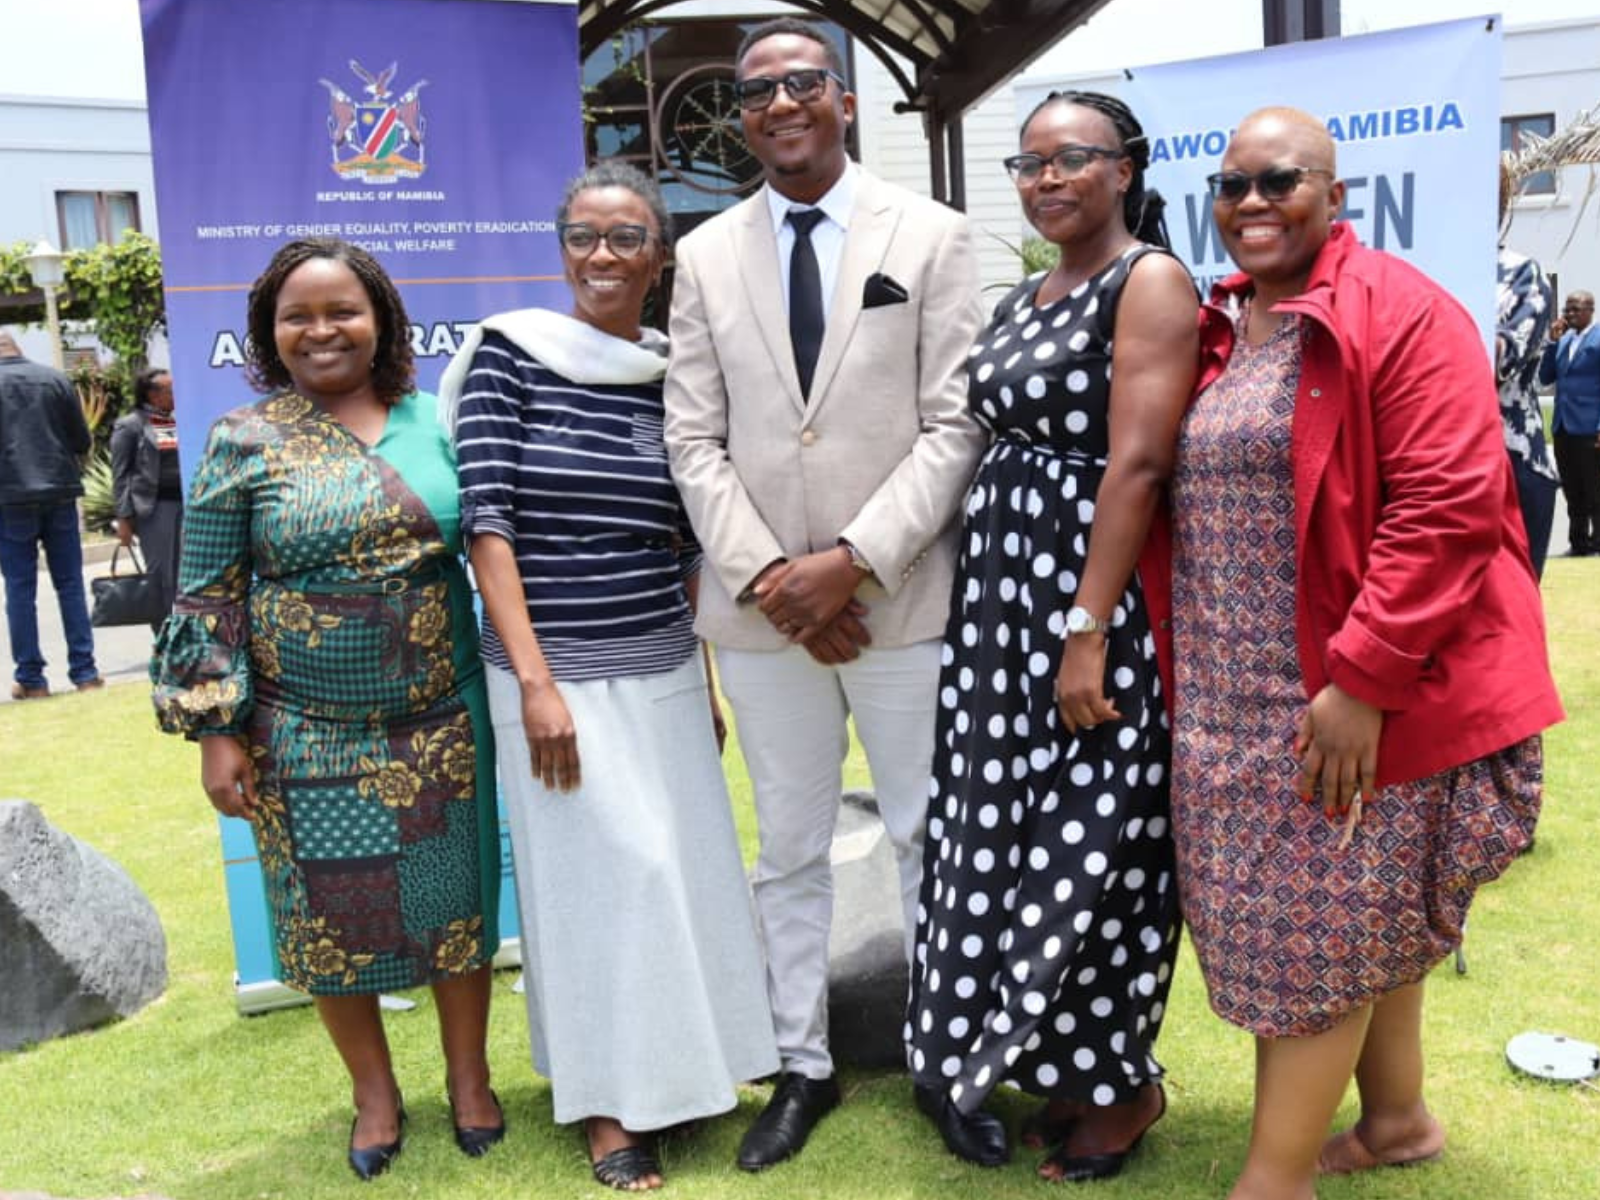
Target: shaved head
<point>8,344</point>
<point>1305,134</point>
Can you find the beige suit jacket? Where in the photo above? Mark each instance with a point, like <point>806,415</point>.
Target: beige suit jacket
<point>884,449</point>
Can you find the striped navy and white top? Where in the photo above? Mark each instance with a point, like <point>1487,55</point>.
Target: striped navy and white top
<point>576,478</point>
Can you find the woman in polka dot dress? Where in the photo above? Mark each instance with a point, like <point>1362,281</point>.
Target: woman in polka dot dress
<point>1048,920</point>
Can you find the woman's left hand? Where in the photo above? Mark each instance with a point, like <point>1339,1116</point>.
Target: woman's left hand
<point>1081,681</point>
<point>1337,745</point>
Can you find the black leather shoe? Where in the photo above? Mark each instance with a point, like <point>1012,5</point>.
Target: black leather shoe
<point>781,1130</point>
<point>978,1137</point>
<point>474,1140</point>
<point>371,1161</point>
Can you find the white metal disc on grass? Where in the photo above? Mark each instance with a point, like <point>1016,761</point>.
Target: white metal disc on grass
<point>1553,1056</point>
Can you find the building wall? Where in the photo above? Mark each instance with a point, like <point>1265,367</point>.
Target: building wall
<point>1555,68</point>
<point>50,145</point>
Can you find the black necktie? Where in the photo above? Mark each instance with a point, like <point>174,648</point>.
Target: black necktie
<point>805,296</point>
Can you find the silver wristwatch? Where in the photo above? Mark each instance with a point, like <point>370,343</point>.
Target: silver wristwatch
<point>1081,620</point>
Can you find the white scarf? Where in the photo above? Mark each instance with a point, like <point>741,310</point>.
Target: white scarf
<point>573,349</point>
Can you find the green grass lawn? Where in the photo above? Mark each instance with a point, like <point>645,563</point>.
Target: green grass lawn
<point>188,1100</point>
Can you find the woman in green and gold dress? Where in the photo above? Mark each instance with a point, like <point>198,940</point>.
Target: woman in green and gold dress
<point>323,651</point>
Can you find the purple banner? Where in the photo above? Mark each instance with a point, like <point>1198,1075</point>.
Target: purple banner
<point>438,134</point>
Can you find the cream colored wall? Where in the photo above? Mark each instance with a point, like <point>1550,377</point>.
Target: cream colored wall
<point>895,146</point>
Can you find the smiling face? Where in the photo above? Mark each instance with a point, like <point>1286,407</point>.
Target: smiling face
<point>608,291</point>
<point>1088,206</point>
<point>325,330</point>
<point>800,146</point>
<point>1276,242</point>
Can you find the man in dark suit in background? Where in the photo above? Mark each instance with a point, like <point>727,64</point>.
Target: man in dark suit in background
<point>1571,361</point>
<point>42,438</point>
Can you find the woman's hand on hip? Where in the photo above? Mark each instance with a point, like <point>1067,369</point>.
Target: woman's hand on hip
<point>227,775</point>
<point>1081,683</point>
<point>552,739</point>
<point>1337,745</point>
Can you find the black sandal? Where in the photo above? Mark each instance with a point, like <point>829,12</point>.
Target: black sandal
<point>624,1167</point>
<point>1041,1131</point>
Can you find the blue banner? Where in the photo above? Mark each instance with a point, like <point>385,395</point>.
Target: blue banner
<point>1415,114</point>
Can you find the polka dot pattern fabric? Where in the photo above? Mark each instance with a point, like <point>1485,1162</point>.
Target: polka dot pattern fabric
<point>1047,926</point>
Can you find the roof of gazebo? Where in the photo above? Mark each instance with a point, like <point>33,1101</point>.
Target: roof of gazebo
<point>958,50</point>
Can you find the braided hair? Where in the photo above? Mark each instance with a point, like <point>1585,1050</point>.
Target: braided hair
<point>393,369</point>
<point>1143,208</point>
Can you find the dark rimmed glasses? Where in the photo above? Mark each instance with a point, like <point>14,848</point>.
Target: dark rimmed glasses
<point>1069,162</point>
<point>625,241</point>
<point>1275,183</point>
<point>758,91</point>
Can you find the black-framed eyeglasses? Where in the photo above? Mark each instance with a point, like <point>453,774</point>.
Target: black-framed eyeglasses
<point>1275,183</point>
<point>1068,161</point>
<point>625,241</point>
<point>803,86</point>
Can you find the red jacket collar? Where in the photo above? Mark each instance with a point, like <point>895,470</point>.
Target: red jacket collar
<point>1342,241</point>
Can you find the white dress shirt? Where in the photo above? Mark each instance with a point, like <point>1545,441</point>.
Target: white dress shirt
<point>827,238</point>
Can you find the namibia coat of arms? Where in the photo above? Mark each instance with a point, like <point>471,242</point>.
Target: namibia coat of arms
<point>379,139</point>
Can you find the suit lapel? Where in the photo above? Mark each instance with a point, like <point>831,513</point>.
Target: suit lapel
<point>872,225</point>
<point>754,244</point>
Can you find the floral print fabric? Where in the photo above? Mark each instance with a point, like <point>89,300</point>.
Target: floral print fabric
<point>324,616</point>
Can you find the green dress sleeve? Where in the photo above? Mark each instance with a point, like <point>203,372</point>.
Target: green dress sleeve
<point>200,671</point>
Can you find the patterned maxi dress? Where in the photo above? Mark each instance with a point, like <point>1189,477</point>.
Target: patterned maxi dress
<point>1293,933</point>
<point>323,614</point>
<point>1048,922</point>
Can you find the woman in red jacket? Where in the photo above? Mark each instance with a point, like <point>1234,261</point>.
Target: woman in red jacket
<point>1361,668</point>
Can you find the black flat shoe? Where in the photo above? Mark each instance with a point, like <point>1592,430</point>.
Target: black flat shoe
<point>474,1140</point>
<point>1081,1168</point>
<point>371,1161</point>
<point>781,1130</point>
<point>978,1137</point>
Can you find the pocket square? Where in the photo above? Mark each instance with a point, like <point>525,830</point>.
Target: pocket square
<point>881,290</point>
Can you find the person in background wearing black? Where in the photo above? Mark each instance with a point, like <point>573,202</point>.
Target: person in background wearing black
<point>146,483</point>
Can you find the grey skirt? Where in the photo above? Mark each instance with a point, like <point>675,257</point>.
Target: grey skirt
<point>645,984</point>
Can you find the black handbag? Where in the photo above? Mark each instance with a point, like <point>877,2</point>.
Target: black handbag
<point>128,599</point>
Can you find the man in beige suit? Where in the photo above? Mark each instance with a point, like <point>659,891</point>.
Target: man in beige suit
<point>818,429</point>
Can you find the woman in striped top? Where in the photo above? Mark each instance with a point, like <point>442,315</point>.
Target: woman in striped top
<point>631,888</point>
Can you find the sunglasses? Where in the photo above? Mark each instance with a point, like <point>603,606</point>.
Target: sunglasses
<point>1275,183</point>
<point>625,241</point>
<point>758,91</point>
<point>1069,162</point>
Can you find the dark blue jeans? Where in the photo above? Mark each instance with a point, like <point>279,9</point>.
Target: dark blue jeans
<point>23,529</point>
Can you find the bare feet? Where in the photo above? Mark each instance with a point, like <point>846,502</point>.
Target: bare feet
<point>1103,1133</point>
<point>621,1159</point>
<point>1377,1143</point>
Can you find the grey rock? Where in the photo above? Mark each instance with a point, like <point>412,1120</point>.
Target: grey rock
<point>80,944</point>
<point>867,975</point>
